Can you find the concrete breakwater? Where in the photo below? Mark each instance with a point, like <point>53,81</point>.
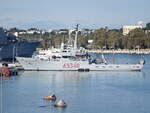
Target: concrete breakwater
<point>122,51</point>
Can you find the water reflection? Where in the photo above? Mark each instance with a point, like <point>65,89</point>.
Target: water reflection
<point>80,90</point>
<point>84,92</point>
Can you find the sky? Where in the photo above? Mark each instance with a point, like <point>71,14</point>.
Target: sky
<point>66,13</point>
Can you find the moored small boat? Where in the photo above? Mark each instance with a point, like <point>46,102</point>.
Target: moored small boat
<point>61,103</point>
<point>52,97</point>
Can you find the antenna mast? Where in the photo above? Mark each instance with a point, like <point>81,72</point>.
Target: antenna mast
<point>76,36</point>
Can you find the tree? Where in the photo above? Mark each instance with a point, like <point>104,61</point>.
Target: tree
<point>113,39</point>
<point>147,40</point>
<point>82,41</point>
<point>148,26</point>
<point>14,29</point>
<point>99,38</point>
<point>136,38</point>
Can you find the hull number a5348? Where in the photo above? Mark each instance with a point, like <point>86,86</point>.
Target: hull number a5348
<point>71,65</point>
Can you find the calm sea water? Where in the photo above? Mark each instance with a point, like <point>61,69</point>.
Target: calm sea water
<point>84,92</point>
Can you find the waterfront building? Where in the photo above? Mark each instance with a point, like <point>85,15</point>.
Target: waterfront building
<point>127,29</point>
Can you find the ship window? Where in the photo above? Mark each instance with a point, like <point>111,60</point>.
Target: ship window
<point>64,51</point>
<point>117,66</point>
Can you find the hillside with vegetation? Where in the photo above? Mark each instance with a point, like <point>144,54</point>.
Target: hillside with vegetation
<point>102,38</point>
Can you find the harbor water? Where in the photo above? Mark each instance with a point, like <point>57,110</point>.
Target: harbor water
<point>83,92</point>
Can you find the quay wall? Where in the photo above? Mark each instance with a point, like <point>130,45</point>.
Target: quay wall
<point>121,51</point>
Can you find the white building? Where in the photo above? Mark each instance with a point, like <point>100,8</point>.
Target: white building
<point>16,34</point>
<point>22,32</point>
<point>90,41</point>
<point>127,29</point>
<point>33,31</point>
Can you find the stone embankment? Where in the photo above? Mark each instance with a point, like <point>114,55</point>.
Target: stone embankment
<point>122,51</point>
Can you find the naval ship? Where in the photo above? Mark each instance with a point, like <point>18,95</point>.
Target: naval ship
<point>11,46</point>
<point>72,58</point>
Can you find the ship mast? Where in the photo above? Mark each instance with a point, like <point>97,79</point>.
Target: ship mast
<point>70,40</point>
<point>76,36</point>
<point>14,47</point>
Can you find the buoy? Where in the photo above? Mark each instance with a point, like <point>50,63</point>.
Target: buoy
<point>52,97</point>
<point>60,103</point>
<point>5,72</point>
